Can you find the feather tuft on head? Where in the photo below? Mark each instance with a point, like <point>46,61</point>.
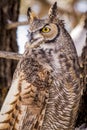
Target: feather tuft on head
<point>31,15</point>
<point>53,12</point>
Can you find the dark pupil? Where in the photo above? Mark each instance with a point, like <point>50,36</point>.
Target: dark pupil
<point>45,29</point>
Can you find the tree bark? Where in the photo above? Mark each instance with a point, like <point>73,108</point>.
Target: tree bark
<point>9,11</point>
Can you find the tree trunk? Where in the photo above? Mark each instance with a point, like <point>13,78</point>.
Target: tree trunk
<point>9,11</point>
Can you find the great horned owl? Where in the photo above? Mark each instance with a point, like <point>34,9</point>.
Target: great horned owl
<point>45,91</point>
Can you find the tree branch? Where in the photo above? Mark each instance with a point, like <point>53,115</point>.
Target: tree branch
<point>16,24</point>
<point>10,55</point>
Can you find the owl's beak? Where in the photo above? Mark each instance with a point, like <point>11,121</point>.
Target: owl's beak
<point>37,43</point>
<point>35,40</point>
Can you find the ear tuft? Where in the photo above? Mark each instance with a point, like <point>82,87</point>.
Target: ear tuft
<point>53,11</point>
<point>31,15</point>
<point>28,11</point>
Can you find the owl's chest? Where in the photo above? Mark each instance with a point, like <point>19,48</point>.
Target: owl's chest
<point>47,58</point>
<point>40,65</point>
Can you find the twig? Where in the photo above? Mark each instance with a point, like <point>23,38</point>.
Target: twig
<point>10,55</point>
<point>16,24</point>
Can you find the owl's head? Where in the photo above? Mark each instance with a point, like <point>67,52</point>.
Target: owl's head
<point>44,30</point>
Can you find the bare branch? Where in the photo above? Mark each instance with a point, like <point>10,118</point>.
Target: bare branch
<point>16,24</point>
<point>10,55</point>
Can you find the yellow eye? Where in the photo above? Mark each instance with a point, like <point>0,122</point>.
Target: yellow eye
<point>45,29</point>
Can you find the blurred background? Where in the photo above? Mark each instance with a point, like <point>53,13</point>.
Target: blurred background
<point>14,29</point>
